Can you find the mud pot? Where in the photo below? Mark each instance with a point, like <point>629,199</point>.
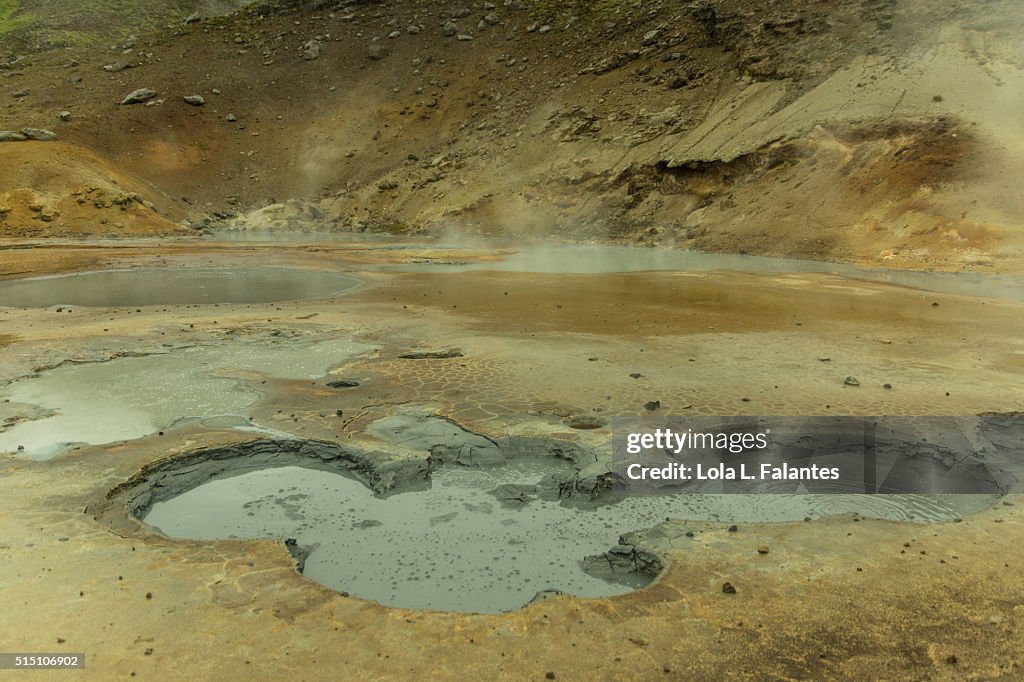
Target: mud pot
<point>166,286</point>
<point>481,525</point>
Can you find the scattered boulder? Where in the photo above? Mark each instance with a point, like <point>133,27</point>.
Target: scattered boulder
<point>11,136</point>
<point>450,29</point>
<point>727,588</point>
<point>377,51</point>
<point>194,100</point>
<point>139,96</point>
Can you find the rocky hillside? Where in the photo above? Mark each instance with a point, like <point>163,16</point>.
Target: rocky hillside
<point>881,131</point>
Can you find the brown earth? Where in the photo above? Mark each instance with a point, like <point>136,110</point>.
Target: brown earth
<point>843,598</point>
<point>865,131</point>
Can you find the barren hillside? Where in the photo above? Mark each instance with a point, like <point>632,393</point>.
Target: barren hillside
<point>875,131</point>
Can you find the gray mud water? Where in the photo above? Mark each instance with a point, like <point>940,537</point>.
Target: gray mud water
<point>133,397</point>
<point>171,286</point>
<point>597,259</point>
<point>454,547</point>
<point>486,538</point>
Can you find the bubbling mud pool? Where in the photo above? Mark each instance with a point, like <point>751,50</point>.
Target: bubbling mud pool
<point>483,540</point>
<point>172,286</point>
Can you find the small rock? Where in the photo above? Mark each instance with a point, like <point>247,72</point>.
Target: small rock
<point>230,118</point>
<point>733,528</point>
<point>64,116</point>
<point>192,18</point>
<point>194,100</point>
<point>40,134</point>
<point>21,93</point>
<point>887,386</point>
<point>652,405</point>
<point>11,136</point>
<point>139,96</point>
<point>464,37</point>
<point>344,383</point>
<point>651,37</point>
<point>432,354</point>
<point>851,381</point>
<point>727,588</point>
<point>491,18</point>
<point>311,50</point>
<point>450,29</point>
<point>763,549</point>
<point>377,51</point>
<point>544,29</point>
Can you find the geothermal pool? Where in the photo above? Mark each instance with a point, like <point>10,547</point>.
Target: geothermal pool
<point>600,258</point>
<point>170,286</point>
<point>480,539</point>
